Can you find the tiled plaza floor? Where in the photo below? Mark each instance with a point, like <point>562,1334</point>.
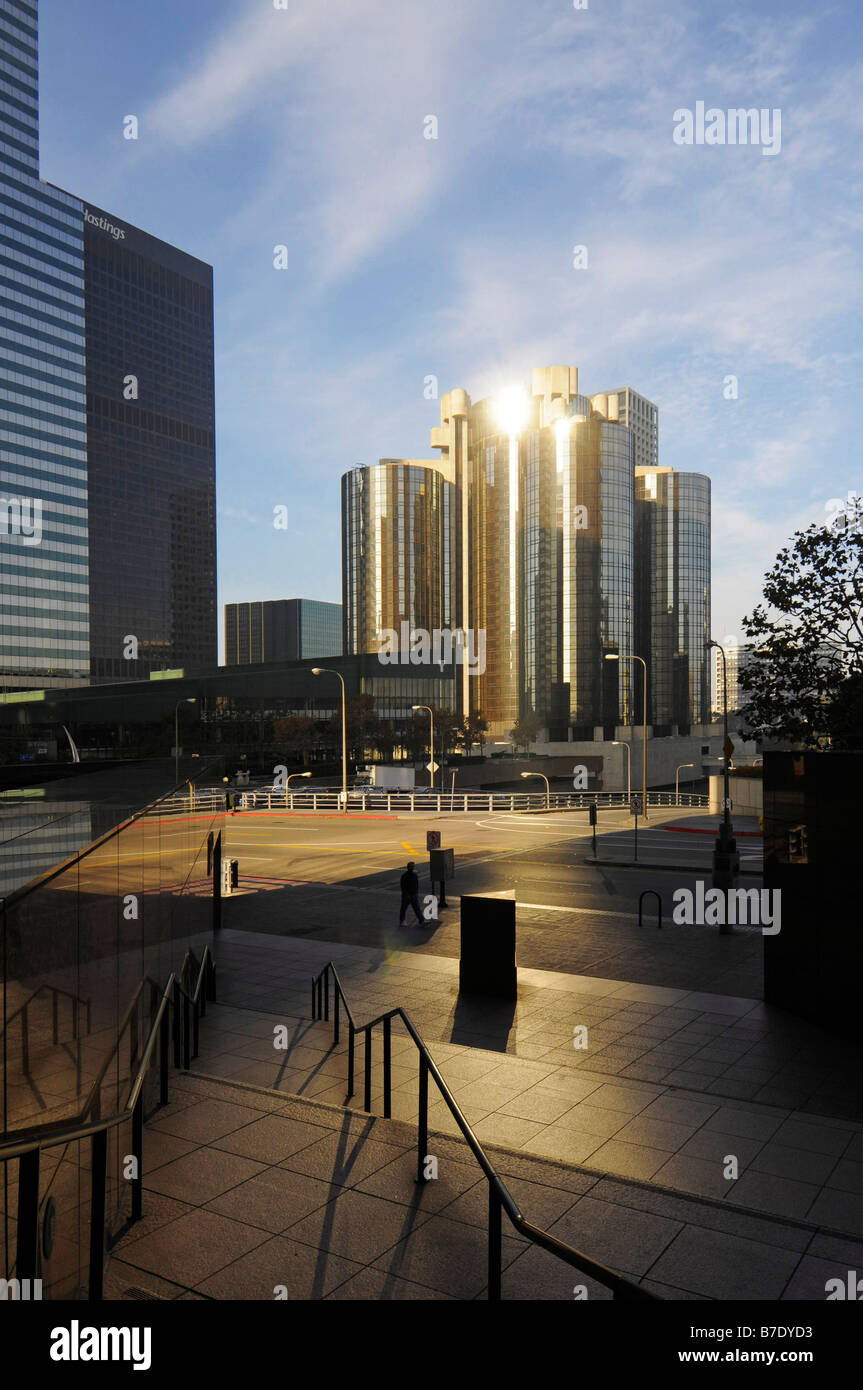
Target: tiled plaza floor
<point>255,1195</point>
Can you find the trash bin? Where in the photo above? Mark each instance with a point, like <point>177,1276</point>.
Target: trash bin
<point>230,876</point>
<point>487,965</point>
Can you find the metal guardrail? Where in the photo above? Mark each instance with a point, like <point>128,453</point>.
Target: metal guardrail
<point>499,1197</point>
<point>207,799</point>
<point>28,1144</point>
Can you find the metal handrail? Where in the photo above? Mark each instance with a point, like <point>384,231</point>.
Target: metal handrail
<point>500,1199</point>
<point>423,799</point>
<point>28,1145</point>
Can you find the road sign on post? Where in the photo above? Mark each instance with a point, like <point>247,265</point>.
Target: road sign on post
<point>432,768</point>
<point>635,806</point>
<point>432,839</point>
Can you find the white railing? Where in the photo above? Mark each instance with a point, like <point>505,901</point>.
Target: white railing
<point>208,799</point>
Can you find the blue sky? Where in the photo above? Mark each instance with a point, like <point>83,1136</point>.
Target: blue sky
<point>453,257</point>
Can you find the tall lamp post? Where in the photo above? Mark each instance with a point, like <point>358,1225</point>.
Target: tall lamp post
<point>190,700</point>
<point>328,670</point>
<point>430,713</point>
<point>615,656</point>
<point>726,861</point>
<point>545,780</point>
<point>618,743</point>
<point>677,782</point>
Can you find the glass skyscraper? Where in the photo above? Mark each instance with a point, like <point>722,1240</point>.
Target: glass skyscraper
<point>107,458</point>
<point>44,544</point>
<point>398,551</point>
<point>287,629</point>
<point>150,452</point>
<point>672,547</point>
<point>550,556</point>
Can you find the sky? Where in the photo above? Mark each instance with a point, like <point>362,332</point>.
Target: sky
<point>453,257</point>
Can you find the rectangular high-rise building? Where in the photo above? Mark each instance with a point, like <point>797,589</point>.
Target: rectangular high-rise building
<point>150,452</point>
<point>44,544</point>
<point>288,629</point>
<point>107,463</point>
<point>637,414</point>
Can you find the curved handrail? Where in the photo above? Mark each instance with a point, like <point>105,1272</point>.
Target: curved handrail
<point>500,1197</point>
<point>28,1144</point>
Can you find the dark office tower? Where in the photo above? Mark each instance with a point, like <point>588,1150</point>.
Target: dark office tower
<point>397,552</point>
<point>43,425</point>
<point>596,513</point>
<point>672,550</point>
<point>287,629</point>
<point>151,452</point>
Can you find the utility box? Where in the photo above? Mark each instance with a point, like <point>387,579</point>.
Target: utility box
<point>441,865</point>
<point>592,810</point>
<point>230,876</point>
<point>487,964</point>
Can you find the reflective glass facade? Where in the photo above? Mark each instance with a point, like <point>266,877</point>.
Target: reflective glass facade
<point>542,529</point>
<point>151,452</point>
<point>673,595</point>
<point>44,629</point>
<point>398,555</point>
<point>288,629</point>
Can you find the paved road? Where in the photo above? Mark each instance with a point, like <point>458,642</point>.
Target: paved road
<point>337,880</point>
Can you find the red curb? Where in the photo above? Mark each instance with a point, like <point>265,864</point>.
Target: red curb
<point>694,830</point>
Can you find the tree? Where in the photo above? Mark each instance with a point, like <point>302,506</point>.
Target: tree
<point>472,731</point>
<point>297,735</point>
<point>447,728</point>
<point>526,730</point>
<point>803,681</point>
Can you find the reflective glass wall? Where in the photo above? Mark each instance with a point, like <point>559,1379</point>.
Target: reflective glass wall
<point>44,628</point>
<point>85,953</point>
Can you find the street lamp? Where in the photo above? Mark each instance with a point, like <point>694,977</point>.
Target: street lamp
<point>545,780</point>
<point>677,782</point>
<point>725,861</point>
<point>189,700</point>
<point>615,656</point>
<point>296,774</point>
<point>618,743</point>
<point>430,713</point>
<point>328,670</point>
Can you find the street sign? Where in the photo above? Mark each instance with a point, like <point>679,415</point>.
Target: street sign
<point>432,768</point>
<point>728,748</point>
<point>432,839</point>
<point>635,808</point>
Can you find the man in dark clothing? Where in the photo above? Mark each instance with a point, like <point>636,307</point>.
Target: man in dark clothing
<point>410,886</point>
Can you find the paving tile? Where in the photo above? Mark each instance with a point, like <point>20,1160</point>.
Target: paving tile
<point>823,1139</point>
<point>724,1266</point>
<point>656,1133</point>
<point>201,1175</point>
<point>847,1175</point>
<point>590,1119</point>
<point>810,1280</point>
<point>537,1275</point>
<point>446,1255</point>
<point>628,1099</point>
<point>749,1124</point>
<point>715,1146</point>
<point>207,1120</point>
<point>804,1165</point>
<point>192,1247</point>
<point>342,1158</point>
<point>375,1286</point>
<point>563,1143</point>
<point>306,1273</point>
<point>539,1204</point>
<point>680,1109</point>
<point>841,1210</point>
<point>274,1199</point>
<point>779,1196</point>
<point>539,1104</point>
<point>506,1130</point>
<point>161,1148</point>
<point>357,1226</point>
<point>271,1138</point>
<point>628,1160</point>
<point>701,1176</point>
<point>628,1241</point>
<point>397,1181</point>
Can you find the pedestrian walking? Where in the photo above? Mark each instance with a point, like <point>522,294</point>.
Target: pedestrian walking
<point>410,886</point>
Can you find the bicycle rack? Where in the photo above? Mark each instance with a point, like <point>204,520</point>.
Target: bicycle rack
<point>650,893</point>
